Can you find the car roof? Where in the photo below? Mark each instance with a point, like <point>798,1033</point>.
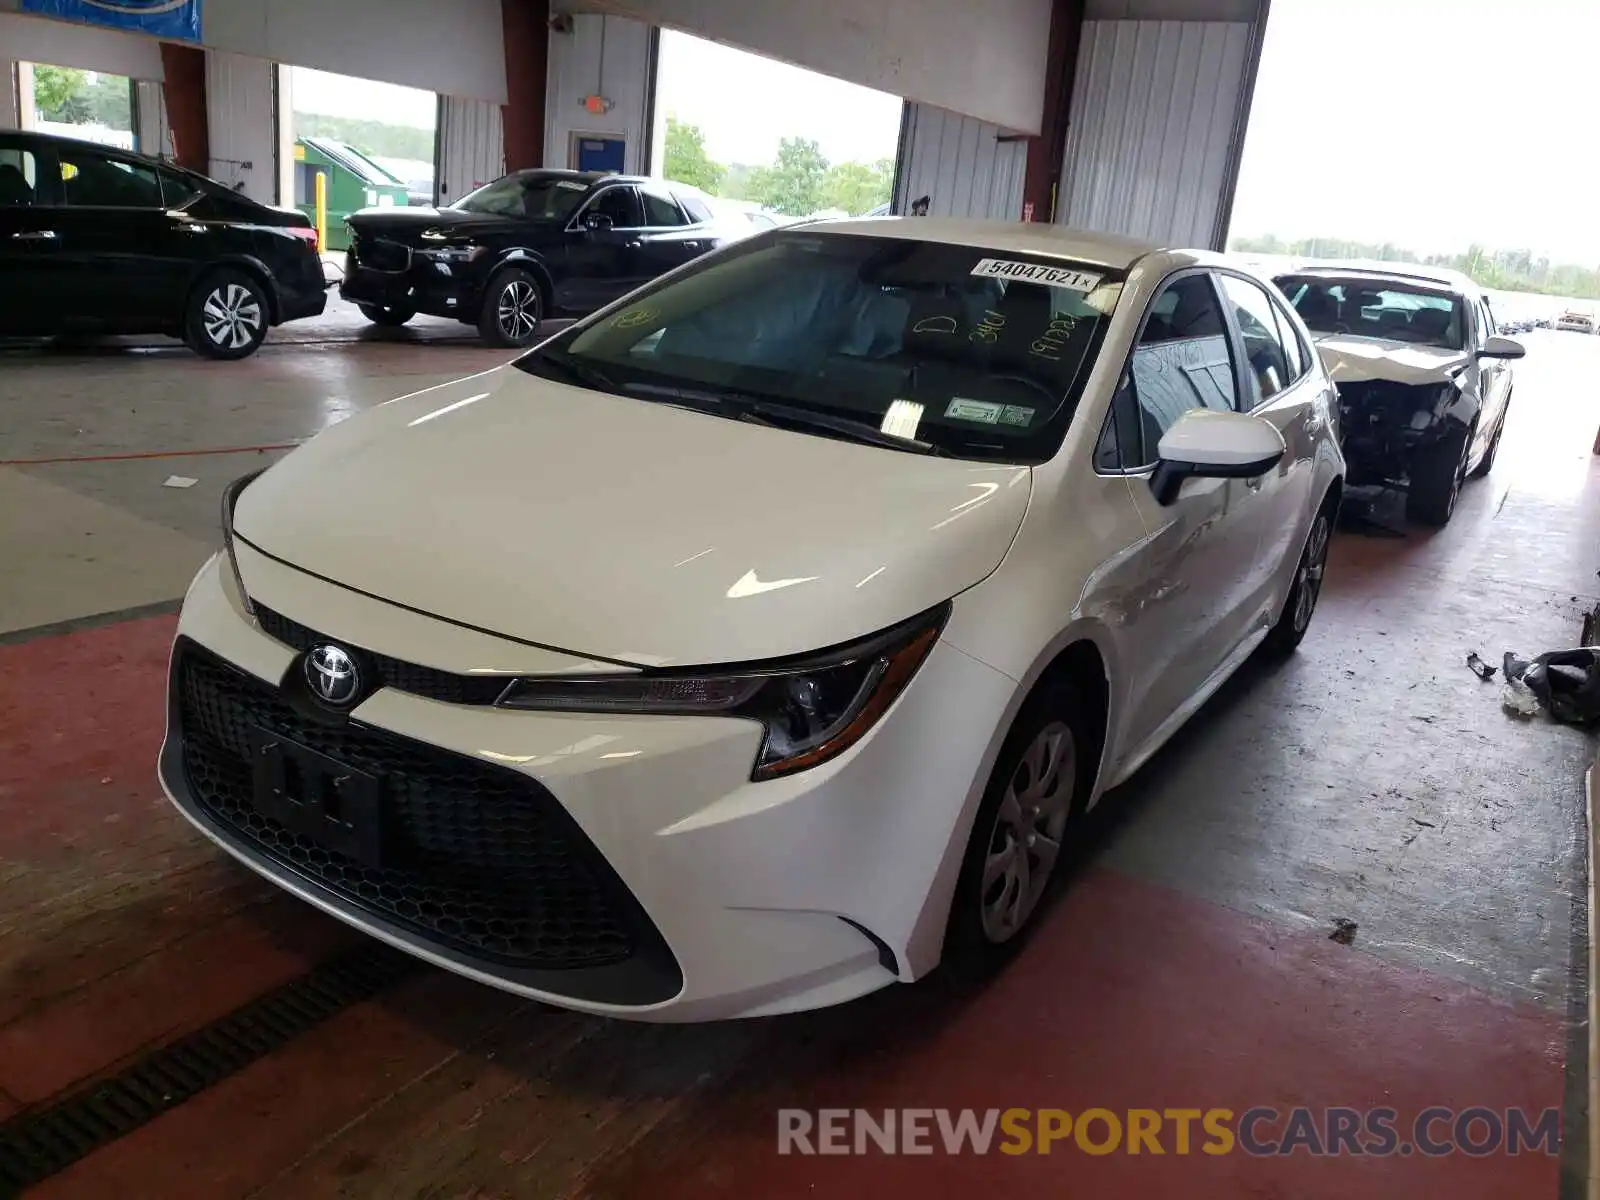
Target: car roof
<point>1440,278</point>
<point>1020,237</point>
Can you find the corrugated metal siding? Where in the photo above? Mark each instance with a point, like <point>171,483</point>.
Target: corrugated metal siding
<point>1154,105</point>
<point>10,111</point>
<point>154,134</point>
<point>960,164</point>
<point>613,56</point>
<point>470,149</point>
<point>243,130</point>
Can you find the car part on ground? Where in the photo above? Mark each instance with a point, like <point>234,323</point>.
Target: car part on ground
<point>1566,683</point>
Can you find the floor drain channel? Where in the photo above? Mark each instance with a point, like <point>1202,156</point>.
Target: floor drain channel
<point>37,1145</point>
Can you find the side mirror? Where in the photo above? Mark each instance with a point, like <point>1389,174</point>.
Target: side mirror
<point>1502,347</point>
<point>1209,444</point>
<point>596,222</point>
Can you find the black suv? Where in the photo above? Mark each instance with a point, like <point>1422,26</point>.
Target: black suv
<point>529,245</point>
<point>99,240</point>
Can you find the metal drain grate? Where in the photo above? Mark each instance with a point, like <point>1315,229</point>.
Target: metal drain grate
<point>37,1145</point>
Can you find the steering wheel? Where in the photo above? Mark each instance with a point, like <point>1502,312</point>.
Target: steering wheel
<point>1028,382</point>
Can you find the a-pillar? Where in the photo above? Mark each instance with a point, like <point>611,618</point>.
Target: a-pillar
<point>1046,153</point>
<point>526,31</point>
<point>184,89</point>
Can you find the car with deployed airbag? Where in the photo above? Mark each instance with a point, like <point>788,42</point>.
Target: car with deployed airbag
<point>1424,375</point>
<point>762,639</point>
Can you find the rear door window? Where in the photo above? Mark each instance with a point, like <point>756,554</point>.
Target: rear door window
<point>1266,360</point>
<point>661,211</point>
<point>90,180</point>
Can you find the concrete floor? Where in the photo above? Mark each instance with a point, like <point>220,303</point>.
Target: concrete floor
<point>1188,964</point>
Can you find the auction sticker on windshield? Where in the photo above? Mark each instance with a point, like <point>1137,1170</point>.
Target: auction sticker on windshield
<point>1026,272</point>
<point>962,409</point>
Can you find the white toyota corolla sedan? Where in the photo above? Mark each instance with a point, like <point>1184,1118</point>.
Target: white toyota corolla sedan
<point>754,643</point>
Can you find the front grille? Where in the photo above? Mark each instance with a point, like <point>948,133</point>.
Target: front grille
<point>392,672</point>
<point>477,859</point>
<point>380,254</point>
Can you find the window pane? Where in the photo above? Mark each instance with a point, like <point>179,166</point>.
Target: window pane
<point>1268,365</point>
<point>1378,308</point>
<point>1293,347</point>
<point>1181,363</point>
<point>698,212</point>
<point>661,210</point>
<point>87,180</point>
<point>895,333</point>
<point>618,204</point>
<point>176,190</point>
<point>19,176</point>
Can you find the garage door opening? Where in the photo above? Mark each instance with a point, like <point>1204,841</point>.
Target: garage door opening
<point>92,105</point>
<point>775,141</point>
<point>372,142</point>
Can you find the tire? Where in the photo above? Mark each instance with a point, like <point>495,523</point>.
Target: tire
<point>227,315</point>
<point>390,318</point>
<point>1487,464</point>
<point>1284,638</point>
<point>1437,473</point>
<point>512,308</point>
<point>1051,732</point>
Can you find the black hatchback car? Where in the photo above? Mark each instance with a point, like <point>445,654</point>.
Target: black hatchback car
<point>529,245</point>
<point>99,240</point>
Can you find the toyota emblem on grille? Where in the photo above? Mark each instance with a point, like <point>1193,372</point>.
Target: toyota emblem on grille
<point>332,674</point>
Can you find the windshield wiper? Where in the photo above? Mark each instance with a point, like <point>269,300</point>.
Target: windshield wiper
<point>767,412</point>
<point>578,372</point>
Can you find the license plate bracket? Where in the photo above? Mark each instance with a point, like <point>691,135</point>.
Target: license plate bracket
<point>334,804</point>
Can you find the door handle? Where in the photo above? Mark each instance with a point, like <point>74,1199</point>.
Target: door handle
<point>633,243</point>
<point>35,235</point>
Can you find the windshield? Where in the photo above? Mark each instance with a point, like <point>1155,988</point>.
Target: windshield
<point>950,349</point>
<point>1376,308</point>
<point>532,196</point>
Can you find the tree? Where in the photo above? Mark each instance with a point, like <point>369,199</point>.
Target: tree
<point>369,137</point>
<point>859,187</point>
<point>58,93</point>
<point>686,158</point>
<point>109,100</point>
<point>794,184</point>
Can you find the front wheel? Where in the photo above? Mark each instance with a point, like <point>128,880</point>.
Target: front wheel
<point>1285,636</point>
<point>512,309</point>
<point>1039,785</point>
<point>1437,472</point>
<point>227,316</point>
<point>390,318</point>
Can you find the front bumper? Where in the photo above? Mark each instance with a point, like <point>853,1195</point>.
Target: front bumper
<point>437,289</point>
<point>740,899</point>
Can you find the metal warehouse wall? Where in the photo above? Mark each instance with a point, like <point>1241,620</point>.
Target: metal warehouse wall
<point>960,164</point>
<point>469,149</point>
<point>985,59</point>
<point>1158,110</point>
<point>153,134</point>
<point>35,39</point>
<point>240,101</point>
<point>610,56</point>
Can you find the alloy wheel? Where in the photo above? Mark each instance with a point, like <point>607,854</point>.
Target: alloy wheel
<point>231,316</point>
<point>518,310</point>
<point>1025,841</point>
<point>1308,579</point>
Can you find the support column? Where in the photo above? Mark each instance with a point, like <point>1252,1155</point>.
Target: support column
<point>10,101</point>
<point>526,30</point>
<point>184,88</point>
<point>1047,152</point>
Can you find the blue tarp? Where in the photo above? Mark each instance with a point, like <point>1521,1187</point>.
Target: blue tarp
<point>175,20</point>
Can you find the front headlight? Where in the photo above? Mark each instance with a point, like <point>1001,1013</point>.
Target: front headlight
<point>230,499</point>
<point>812,708</point>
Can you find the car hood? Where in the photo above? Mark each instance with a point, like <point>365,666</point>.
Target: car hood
<point>408,224</point>
<point>1354,359</point>
<point>623,529</point>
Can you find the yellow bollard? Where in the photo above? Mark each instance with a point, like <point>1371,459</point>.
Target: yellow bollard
<point>322,212</point>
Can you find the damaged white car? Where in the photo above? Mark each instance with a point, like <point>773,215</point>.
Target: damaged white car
<point>1424,380</point>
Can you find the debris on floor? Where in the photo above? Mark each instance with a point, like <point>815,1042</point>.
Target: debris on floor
<point>1564,683</point>
<point>179,481</point>
<point>1344,931</point>
<point>1480,668</point>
